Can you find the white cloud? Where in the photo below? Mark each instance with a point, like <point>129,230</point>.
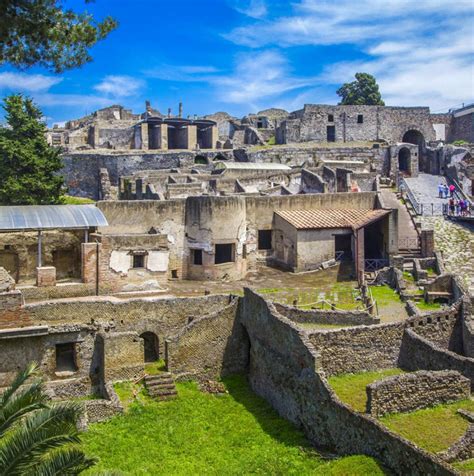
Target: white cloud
<point>71,100</point>
<point>27,82</point>
<point>251,8</point>
<point>257,77</point>
<point>119,86</point>
<point>182,73</point>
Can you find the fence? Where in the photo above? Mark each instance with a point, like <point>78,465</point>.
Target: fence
<point>409,243</point>
<point>375,264</point>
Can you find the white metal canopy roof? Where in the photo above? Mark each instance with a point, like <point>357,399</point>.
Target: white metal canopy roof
<point>251,166</point>
<point>48,217</point>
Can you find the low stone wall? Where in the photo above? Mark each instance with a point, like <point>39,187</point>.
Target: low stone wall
<point>101,410</point>
<point>283,370</point>
<point>316,316</point>
<point>413,391</point>
<point>69,290</point>
<point>419,353</point>
<point>209,347</point>
<point>10,300</point>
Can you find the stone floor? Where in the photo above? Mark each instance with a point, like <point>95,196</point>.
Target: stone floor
<point>425,189</point>
<point>456,242</point>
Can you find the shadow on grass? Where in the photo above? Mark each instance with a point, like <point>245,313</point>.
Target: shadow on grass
<point>285,432</point>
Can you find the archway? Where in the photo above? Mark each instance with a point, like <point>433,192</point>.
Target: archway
<point>200,159</point>
<point>414,137</point>
<point>151,344</point>
<point>404,160</point>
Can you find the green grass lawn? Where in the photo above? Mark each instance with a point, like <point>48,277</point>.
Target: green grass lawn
<point>428,306</point>
<point>350,388</point>
<point>434,429</point>
<point>466,466</point>
<point>385,295</point>
<point>237,433</point>
<point>69,200</point>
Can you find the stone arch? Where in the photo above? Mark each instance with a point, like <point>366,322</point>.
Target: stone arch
<point>413,136</point>
<point>404,160</point>
<point>151,346</point>
<point>200,159</point>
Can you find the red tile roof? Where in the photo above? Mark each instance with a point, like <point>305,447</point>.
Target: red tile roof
<point>331,218</point>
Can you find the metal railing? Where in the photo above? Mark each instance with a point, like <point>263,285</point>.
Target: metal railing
<point>375,264</point>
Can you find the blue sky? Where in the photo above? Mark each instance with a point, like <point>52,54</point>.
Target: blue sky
<point>242,56</point>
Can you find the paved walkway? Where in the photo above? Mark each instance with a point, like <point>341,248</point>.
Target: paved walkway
<point>406,228</point>
<point>456,242</point>
<point>425,188</point>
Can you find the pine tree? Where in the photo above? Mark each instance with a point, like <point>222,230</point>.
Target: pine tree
<point>44,33</point>
<point>29,166</point>
<point>364,91</point>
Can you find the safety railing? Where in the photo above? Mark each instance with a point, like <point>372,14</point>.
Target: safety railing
<point>409,243</point>
<point>375,264</point>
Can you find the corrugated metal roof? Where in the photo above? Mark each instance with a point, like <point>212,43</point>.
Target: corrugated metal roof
<point>330,218</point>
<point>47,217</point>
<point>251,166</point>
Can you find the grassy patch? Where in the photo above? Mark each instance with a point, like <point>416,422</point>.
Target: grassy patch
<point>350,388</point>
<point>407,276</point>
<point>130,394</point>
<point>428,306</point>
<point>434,429</point>
<point>385,295</point>
<point>153,368</point>
<point>344,295</point>
<point>465,466</point>
<point>233,434</point>
<point>69,200</point>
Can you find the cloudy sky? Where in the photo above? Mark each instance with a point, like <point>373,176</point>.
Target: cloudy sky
<point>242,56</point>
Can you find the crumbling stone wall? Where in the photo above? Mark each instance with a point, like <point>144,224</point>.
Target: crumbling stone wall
<point>419,353</point>
<point>316,316</point>
<point>283,370</point>
<point>209,347</point>
<point>413,391</point>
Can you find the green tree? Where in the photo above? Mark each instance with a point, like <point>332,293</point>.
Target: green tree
<point>28,164</point>
<point>43,32</point>
<point>364,91</point>
<point>38,437</point>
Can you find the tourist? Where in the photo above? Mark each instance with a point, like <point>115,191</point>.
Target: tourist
<point>458,207</point>
<point>452,188</point>
<point>440,190</point>
<point>462,204</point>
<point>451,206</point>
<point>445,190</point>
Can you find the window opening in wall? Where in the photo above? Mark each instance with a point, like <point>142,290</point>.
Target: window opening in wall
<point>224,253</point>
<point>66,357</point>
<point>360,119</point>
<point>174,273</point>
<point>138,261</point>
<point>264,239</point>
<point>197,256</point>
<point>330,117</point>
<point>244,251</point>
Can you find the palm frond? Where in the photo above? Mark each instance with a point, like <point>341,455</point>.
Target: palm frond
<point>40,432</point>
<point>19,404</point>
<point>63,461</point>
<point>20,379</point>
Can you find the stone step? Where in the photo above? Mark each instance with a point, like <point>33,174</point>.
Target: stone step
<point>155,378</point>
<point>165,392</point>
<point>160,385</point>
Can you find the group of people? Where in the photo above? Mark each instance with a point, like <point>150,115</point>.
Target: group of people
<point>455,207</point>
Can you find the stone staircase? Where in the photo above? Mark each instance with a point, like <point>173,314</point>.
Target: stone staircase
<point>161,386</point>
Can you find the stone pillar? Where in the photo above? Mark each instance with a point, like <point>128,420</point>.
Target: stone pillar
<point>164,137</point>
<point>89,252</point>
<point>144,134</point>
<point>214,137</point>
<point>45,276</point>
<point>139,189</point>
<point>191,137</point>
<point>427,243</point>
<point>360,255</point>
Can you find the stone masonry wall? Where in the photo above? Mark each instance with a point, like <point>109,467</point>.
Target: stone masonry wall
<point>316,316</point>
<point>282,369</point>
<point>418,353</point>
<point>413,391</point>
<point>209,347</point>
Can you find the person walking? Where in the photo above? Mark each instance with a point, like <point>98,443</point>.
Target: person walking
<point>445,190</point>
<point>452,188</point>
<point>451,206</point>
<point>440,190</point>
<point>458,207</point>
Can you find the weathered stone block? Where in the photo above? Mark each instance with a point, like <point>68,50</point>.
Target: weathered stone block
<point>46,276</point>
